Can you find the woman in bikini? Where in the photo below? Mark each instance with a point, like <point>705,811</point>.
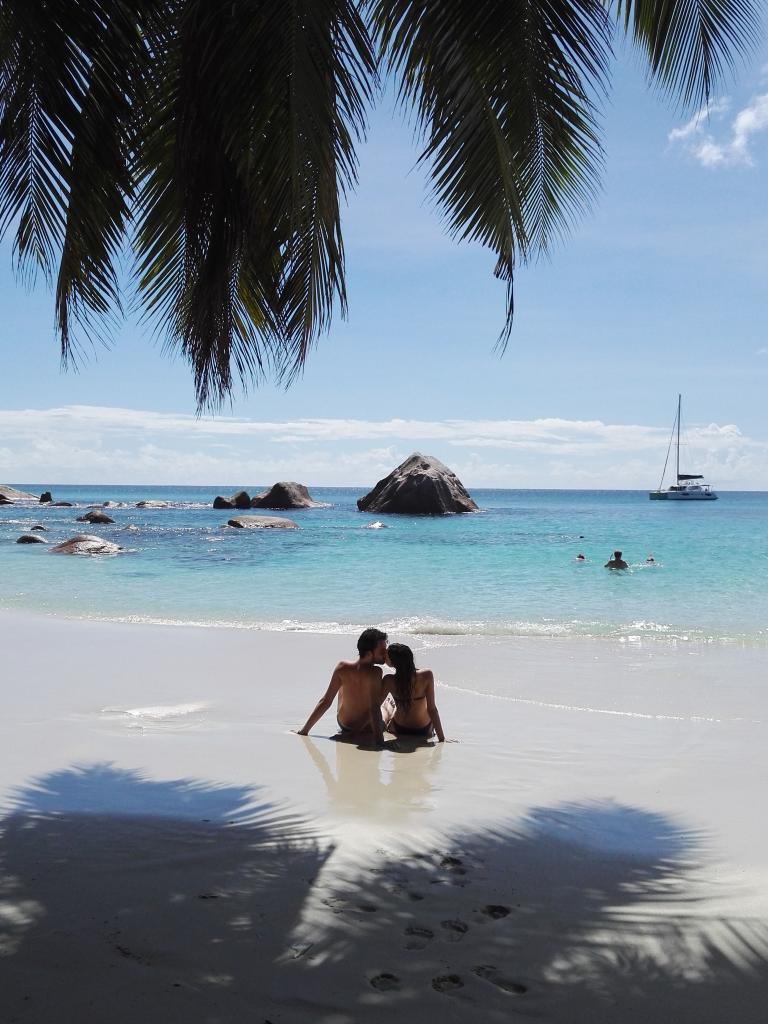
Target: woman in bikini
<point>410,696</point>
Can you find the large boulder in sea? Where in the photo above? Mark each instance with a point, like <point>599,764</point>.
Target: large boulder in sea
<point>11,495</point>
<point>86,544</point>
<point>420,486</point>
<point>241,499</point>
<point>151,504</point>
<point>262,523</point>
<point>95,516</point>
<point>45,498</point>
<point>283,495</point>
<point>27,538</point>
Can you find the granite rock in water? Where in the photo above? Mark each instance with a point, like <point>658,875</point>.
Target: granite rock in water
<point>38,528</point>
<point>420,486</point>
<point>11,495</point>
<point>46,497</point>
<point>262,523</point>
<point>61,504</point>
<point>151,504</point>
<point>94,516</point>
<point>86,544</point>
<point>27,538</point>
<point>285,494</point>
<point>241,499</point>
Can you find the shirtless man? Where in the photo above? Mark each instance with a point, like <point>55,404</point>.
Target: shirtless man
<point>617,562</point>
<point>358,685</point>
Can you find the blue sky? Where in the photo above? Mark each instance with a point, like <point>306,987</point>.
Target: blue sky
<point>661,288</point>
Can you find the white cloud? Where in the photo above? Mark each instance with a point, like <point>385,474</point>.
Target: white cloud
<point>90,444</point>
<point>699,120</point>
<point>732,150</point>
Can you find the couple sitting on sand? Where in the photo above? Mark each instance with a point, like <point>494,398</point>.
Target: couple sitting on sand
<point>403,702</point>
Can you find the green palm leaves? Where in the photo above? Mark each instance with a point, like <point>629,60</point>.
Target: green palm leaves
<point>197,153</point>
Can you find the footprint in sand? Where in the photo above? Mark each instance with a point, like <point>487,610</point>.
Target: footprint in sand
<point>492,974</point>
<point>418,938</point>
<point>456,929</point>
<point>453,864</point>
<point>495,911</point>
<point>447,983</point>
<point>385,982</point>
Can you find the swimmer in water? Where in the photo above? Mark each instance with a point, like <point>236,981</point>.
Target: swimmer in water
<point>617,562</point>
<point>580,558</point>
<point>650,559</point>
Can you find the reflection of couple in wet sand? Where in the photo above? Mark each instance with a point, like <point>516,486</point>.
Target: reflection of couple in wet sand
<point>403,701</point>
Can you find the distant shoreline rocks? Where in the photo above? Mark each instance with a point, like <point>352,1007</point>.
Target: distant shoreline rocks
<point>9,495</point>
<point>421,486</point>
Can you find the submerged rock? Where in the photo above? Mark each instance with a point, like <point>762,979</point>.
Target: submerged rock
<point>262,523</point>
<point>61,504</point>
<point>422,486</point>
<point>151,504</point>
<point>95,516</point>
<point>38,527</point>
<point>283,495</point>
<point>86,544</point>
<point>27,538</point>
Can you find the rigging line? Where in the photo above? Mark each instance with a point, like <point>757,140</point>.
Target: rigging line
<point>669,449</point>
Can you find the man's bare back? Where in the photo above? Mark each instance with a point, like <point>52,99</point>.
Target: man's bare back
<point>357,684</point>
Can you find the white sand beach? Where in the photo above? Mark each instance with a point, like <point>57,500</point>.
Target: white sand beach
<point>593,849</point>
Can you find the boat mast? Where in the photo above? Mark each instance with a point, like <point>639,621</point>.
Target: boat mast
<point>679,402</point>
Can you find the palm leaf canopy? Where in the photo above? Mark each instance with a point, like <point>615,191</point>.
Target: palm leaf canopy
<point>199,153</point>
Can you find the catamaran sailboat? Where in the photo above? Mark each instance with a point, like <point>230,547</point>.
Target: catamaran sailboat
<point>687,486</point>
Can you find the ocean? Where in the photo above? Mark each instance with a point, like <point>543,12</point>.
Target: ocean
<point>509,569</point>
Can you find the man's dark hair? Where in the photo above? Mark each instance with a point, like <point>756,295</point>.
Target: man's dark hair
<point>368,639</point>
<point>617,554</point>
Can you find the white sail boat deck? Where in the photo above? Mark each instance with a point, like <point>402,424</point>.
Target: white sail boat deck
<point>687,486</point>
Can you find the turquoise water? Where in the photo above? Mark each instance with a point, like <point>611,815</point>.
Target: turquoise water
<point>509,569</point>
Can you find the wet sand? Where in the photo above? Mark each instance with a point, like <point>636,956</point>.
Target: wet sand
<point>592,849</point>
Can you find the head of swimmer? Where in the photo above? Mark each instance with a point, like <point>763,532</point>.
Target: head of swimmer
<point>372,646</point>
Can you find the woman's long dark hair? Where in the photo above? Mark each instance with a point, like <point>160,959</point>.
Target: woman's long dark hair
<point>405,670</point>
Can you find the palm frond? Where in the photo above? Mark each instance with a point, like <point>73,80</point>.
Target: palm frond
<point>70,73</point>
<point>257,108</point>
<point>690,44</point>
<point>505,94</point>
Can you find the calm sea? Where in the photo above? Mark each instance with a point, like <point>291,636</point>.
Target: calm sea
<point>509,569</point>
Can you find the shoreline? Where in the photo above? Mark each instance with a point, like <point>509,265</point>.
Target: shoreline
<point>588,851</point>
<point>429,634</point>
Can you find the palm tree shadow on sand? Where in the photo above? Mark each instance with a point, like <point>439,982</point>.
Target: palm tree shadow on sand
<point>580,913</point>
<point>125,898</point>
